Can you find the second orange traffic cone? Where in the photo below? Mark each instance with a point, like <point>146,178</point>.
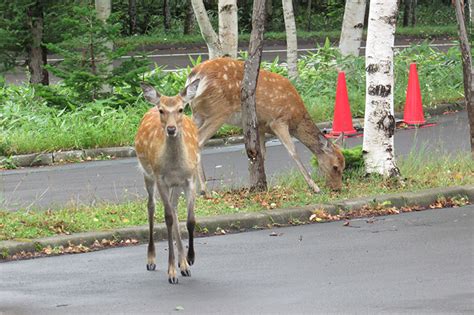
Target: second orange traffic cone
<point>413,113</point>
<point>342,122</point>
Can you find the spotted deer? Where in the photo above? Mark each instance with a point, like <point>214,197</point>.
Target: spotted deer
<point>167,149</point>
<point>215,100</point>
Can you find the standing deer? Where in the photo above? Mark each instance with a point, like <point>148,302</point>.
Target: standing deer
<point>215,100</point>
<point>167,150</point>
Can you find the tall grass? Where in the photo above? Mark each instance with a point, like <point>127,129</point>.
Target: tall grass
<point>33,122</point>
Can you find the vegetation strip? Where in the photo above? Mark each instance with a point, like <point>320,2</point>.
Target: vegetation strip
<point>60,117</point>
<point>58,157</point>
<point>360,207</point>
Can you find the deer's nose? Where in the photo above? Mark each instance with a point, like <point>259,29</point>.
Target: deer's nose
<point>171,130</point>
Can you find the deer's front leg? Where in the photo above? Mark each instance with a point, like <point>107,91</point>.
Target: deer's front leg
<point>150,187</point>
<point>165,197</point>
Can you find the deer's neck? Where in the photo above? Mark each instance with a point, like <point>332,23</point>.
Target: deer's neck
<point>174,148</point>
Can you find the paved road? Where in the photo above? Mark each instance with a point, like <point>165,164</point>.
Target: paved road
<point>120,180</point>
<point>420,263</point>
<point>177,59</point>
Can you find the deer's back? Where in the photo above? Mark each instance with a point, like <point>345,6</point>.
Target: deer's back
<point>157,156</point>
<point>220,88</point>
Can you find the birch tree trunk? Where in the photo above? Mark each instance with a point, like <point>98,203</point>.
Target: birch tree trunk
<point>379,121</point>
<point>208,33</point>
<point>258,181</point>
<point>104,9</point>
<point>228,26</point>
<point>227,41</point>
<point>291,39</point>
<point>467,69</point>
<point>352,27</point>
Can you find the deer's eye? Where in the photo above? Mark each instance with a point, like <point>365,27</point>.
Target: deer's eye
<point>180,110</point>
<point>161,111</point>
<point>335,168</point>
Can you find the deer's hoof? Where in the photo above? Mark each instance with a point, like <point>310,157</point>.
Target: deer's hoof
<point>190,258</point>
<point>186,273</point>
<point>205,194</point>
<point>150,267</point>
<point>173,280</point>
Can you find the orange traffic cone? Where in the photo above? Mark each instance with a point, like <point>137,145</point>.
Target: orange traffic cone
<point>413,114</point>
<point>342,122</point>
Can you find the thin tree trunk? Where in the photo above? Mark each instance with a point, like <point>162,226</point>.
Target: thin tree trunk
<point>104,9</point>
<point>308,16</point>
<point>379,121</point>
<point>413,12</point>
<point>228,27</point>
<point>471,15</point>
<point>269,13</point>
<point>407,12</point>
<point>258,181</point>
<point>208,33</point>
<point>36,52</point>
<point>291,39</point>
<point>166,15</point>
<point>189,19</point>
<point>467,69</point>
<point>352,27</point>
<point>132,16</point>
<point>146,18</point>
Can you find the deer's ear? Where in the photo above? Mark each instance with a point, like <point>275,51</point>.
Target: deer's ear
<point>325,146</point>
<point>189,92</point>
<point>150,93</point>
<point>340,140</point>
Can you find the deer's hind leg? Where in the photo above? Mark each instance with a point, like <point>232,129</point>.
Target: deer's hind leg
<point>207,129</point>
<point>182,262</point>
<point>190,193</point>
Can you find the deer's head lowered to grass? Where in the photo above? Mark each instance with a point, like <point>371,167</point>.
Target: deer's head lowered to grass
<point>280,111</point>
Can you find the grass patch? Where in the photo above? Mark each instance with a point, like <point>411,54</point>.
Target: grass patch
<point>422,172</point>
<point>32,122</point>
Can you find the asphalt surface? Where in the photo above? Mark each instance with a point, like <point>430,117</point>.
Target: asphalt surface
<point>420,263</point>
<point>171,59</point>
<point>119,180</point>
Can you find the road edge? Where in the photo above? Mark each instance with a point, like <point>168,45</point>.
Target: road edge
<point>239,222</point>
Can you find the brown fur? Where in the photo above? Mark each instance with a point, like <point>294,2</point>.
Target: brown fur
<point>167,149</point>
<point>280,111</point>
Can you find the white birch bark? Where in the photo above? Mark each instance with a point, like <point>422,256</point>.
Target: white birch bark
<point>208,33</point>
<point>352,27</point>
<point>228,27</point>
<point>291,39</point>
<point>104,9</point>
<point>379,121</point>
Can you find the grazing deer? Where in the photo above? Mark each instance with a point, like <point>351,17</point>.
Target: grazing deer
<point>167,150</point>
<point>215,100</point>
